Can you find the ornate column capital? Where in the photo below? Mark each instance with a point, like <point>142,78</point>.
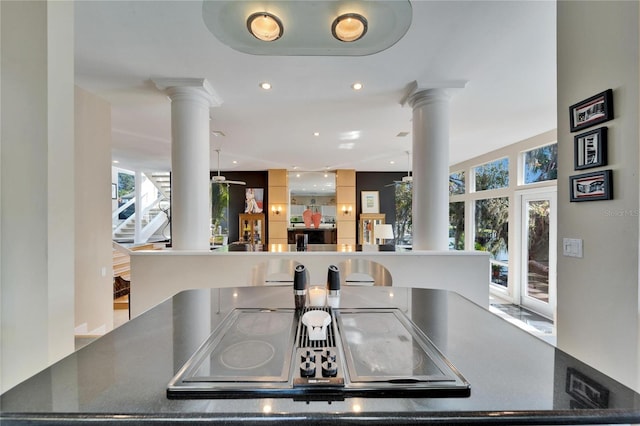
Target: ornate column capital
<point>417,94</point>
<point>189,87</point>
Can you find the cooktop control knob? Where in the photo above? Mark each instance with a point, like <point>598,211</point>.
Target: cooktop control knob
<point>308,355</point>
<point>308,369</point>
<point>329,369</point>
<point>329,355</point>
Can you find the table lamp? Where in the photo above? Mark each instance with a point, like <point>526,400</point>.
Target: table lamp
<point>383,232</point>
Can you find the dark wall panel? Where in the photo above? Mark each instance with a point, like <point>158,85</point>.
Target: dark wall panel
<point>378,181</point>
<point>237,197</point>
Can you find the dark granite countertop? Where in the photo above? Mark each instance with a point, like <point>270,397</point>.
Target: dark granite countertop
<point>515,377</point>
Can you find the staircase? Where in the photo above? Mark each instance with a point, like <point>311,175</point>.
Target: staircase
<point>162,181</point>
<point>126,232</point>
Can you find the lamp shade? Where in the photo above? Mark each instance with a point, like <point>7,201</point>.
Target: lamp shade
<point>383,231</point>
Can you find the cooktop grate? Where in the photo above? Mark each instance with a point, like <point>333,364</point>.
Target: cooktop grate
<point>303,335</point>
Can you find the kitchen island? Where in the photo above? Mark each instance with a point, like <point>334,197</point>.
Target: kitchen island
<point>514,377</point>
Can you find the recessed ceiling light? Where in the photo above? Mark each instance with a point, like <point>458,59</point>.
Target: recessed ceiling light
<point>316,133</point>
<point>349,27</point>
<point>357,86</point>
<point>392,162</point>
<point>217,133</point>
<point>115,161</point>
<point>402,134</point>
<point>235,161</point>
<point>266,86</point>
<point>265,26</point>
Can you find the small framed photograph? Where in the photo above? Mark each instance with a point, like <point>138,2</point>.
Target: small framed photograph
<point>596,109</point>
<point>591,186</point>
<point>590,149</point>
<point>586,391</point>
<point>114,191</point>
<point>370,202</point>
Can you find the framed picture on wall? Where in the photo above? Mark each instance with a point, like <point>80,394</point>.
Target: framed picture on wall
<point>587,392</point>
<point>591,186</point>
<point>596,109</point>
<point>590,149</point>
<point>370,202</point>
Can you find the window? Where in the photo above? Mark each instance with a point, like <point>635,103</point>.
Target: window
<point>541,164</point>
<point>492,235</point>
<point>456,183</point>
<point>456,226</point>
<point>492,175</point>
<point>403,231</point>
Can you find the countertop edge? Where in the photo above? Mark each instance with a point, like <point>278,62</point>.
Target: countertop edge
<point>546,417</point>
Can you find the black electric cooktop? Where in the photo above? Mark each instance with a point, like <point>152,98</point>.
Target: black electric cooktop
<point>366,352</point>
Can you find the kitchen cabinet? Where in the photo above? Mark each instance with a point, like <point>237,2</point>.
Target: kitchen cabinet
<point>252,228</point>
<point>366,225</point>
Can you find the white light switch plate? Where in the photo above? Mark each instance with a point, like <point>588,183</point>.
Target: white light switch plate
<point>572,247</point>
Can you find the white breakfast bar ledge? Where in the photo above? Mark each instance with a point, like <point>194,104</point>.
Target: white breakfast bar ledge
<point>157,275</point>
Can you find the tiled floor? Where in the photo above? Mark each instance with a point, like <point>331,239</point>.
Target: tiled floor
<point>529,321</point>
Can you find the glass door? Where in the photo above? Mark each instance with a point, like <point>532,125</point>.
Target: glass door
<point>538,282</point>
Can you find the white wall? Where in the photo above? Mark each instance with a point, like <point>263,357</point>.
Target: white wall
<point>598,298</point>
<point>94,259</point>
<point>37,175</point>
<point>158,275</point>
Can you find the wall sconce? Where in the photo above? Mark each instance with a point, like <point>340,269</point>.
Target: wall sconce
<point>276,210</point>
<point>346,210</point>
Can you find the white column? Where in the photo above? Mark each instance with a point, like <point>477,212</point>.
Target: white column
<point>190,216</point>
<point>37,188</point>
<point>430,208</point>
<point>137,232</point>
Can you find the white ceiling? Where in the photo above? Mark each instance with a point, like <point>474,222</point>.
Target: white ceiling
<point>504,49</point>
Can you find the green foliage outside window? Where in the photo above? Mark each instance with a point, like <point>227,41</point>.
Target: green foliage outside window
<point>403,232</point>
<point>492,175</point>
<point>220,207</point>
<point>492,226</point>
<point>541,164</point>
<point>456,183</point>
<point>456,226</point>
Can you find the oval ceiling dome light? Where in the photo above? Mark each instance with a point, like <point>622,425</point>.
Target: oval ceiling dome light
<point>349,27</point>
<point>265,26</point>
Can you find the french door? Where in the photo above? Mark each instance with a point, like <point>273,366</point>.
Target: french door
<point>538,236</point>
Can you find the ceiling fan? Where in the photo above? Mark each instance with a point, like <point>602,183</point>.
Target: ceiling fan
<point>221,179</point>
<point>405,179</point>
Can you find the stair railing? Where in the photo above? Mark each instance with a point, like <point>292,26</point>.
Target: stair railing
<point>116,214</point>
<point>154,224</point>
